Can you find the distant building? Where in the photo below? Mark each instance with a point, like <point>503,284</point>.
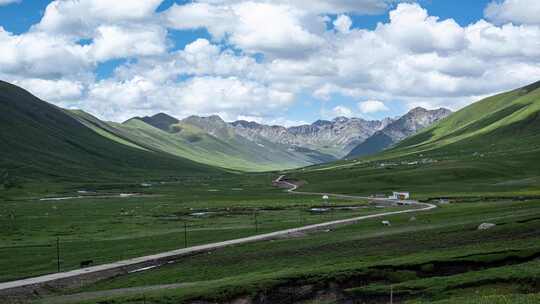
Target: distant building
<point>400,196</point>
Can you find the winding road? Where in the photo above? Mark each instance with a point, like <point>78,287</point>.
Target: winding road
<point>29,285</point>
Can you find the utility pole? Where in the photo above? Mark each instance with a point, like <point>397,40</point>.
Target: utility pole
<point>58,253</point>
<point>185,235</point>
<point>256,222</point>
<point>391,294</point>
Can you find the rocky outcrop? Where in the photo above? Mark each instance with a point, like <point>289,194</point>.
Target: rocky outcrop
<point>337,136</point>
<point>409,124</point>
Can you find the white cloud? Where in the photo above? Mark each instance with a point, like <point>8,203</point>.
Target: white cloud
<point>412,28</point>
<point>113,42</point>
<point>230,97</point>
<point>343,23</point>
<point>372,106</point>
<point>53,90</point>
<point>6,2</point>
<point>38,54</point>
<point>82,17</point>
<point>414,58</point>
<point>341,111</point>
<point>203,58</point>
<point>273,29</point>
<point>211,94</point>
<point>193,15</point>
<point>367,7</point>
<point>516,11</point>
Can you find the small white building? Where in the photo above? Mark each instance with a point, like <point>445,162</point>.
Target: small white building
<point>400,196</point>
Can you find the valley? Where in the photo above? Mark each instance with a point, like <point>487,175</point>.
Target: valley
<point>100,192</point>
<point>269,152</point>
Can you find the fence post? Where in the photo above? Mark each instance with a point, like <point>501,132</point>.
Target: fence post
<point>58,253</point>
<point>256,222</point>
<point>185,235</point>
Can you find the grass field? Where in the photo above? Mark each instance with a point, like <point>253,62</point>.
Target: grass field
<point>495,174</point>
<point>105,227</point>
<point>438,256</point>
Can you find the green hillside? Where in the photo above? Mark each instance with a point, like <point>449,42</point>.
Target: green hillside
<point>41,142</point>
<point>226,149</point>
<point>491,147</point>
<point>372,145</point>
<point>501,120</point>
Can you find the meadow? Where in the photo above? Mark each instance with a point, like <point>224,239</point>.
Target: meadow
<point>110,222</point>
<point>438,255</point>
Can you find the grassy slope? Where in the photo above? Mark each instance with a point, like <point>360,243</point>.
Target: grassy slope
<point>507,118</point>
<point>41,142</point>
<point>228,151</point>
<point>491,147</point>
<point>372,145</point>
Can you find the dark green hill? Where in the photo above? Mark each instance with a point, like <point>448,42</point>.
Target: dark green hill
<point>161,121</point>
<point>507,120</point>
<point>374,144</point>
<point>40,141</point>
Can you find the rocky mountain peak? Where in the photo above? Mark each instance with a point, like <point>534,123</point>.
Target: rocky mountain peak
<point>341,119</point>
<point>395,131</point>
<point>212,124</point>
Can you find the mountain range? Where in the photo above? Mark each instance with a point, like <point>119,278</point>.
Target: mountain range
<point>336,137</point>
<point>248,145</point>
<point>77,141</point>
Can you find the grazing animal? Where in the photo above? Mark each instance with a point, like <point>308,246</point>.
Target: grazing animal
<point>86,263</point>
<point>386,223</point>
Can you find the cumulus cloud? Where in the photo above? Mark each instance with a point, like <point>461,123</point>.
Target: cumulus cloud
<point>203,58</point>
<point>113,42</point>
<point>273,29</point>
<point>82,17</point>
<point>372,106</point>
<point>53,90</point>
<point>343,23</point>
<point>38,54</point>
<point>262,55</point>
<point>412,28</point>
<point>229,97</point>
<point>515,11</point>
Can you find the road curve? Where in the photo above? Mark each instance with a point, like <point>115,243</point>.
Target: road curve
<point>139,263</point>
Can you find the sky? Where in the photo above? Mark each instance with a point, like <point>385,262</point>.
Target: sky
<point>278,62</point>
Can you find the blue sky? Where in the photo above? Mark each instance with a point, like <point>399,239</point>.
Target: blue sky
<point>274,62</point>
